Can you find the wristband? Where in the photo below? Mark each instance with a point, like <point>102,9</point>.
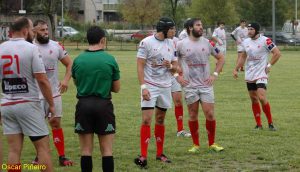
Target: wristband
<point>216,74</point>
<point>175,75</point>
<point>143,86</point>
<point>269,65</point>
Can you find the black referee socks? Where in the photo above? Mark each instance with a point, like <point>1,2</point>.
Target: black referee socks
<point>86,164</point>
<point>108,163</point>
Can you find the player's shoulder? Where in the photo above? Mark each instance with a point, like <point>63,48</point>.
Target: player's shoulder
<point>266,40</point>
<point>208,41</point>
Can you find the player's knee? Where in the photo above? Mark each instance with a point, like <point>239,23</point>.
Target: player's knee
<point>160,120</point>
<point>193,116</point>
<point>146,122</point>
<point>178,102</point>
<point>209,114</point>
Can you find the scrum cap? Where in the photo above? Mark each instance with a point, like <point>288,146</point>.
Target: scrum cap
<point>255,26</point>
<point>164,24</point>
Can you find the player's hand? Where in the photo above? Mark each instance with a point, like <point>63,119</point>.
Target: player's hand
<point>167,64</point>
<point>235,74</point>
<point>211,80</point>
<point>182,81</point>
<point>51,113</point>
<point>146,94</point>
<point>220,42</point>
<point>267,69</point>
<point>63,86</point>
<point>238,42</point>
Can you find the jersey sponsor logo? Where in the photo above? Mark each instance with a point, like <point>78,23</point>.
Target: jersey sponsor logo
<point>56,140</point>
<point>78,127</point>
<point>109,128</point>
<point>14,85</point>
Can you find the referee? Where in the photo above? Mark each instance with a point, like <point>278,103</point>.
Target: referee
<point>96,74</point>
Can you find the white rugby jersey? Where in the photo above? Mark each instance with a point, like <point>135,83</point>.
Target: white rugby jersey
<point>257,57</point>
<point>240,34</point>
<point>183,34</point>
<point>51,54</point>
<point>155,51</point>
<point>19,61</point>
<point>194,59</point>
<point>221,36</point>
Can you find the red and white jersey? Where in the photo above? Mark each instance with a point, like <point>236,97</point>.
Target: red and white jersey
<point>51,54</point>
<point>183,34</point>
<point>19,61</point>
<point>240,33</point>
<point>193,57</point>
<point>175,40</point>
<point>220,35</point>
<point>257,57</point>
<point>155,51</point>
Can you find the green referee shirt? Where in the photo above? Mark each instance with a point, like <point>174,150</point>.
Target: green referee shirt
<point>94,73</point>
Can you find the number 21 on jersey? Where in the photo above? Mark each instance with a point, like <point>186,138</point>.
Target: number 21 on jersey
<point>7,68</point>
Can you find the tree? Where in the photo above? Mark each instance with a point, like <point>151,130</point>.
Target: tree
<point>175,10</point>
<point>261,11</point>
<point>211,11</point>
<point>142,12</point>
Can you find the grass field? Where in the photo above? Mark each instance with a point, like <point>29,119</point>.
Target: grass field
<point>245,149</point>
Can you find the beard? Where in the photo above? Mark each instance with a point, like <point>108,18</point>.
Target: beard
<point>42,39</point>
<point>196,34</point>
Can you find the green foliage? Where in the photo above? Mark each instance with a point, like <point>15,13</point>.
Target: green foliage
<point>261,11</point>
<point>142,12</point>
<point>212,11</point>
<point>174,10</point>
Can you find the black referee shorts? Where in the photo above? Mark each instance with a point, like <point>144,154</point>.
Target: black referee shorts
<point>94,115</point>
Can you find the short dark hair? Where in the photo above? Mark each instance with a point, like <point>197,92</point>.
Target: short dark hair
<point>191,23</point>
<point>94,35</point>
<point>242,21</point>
<point>19,24</point>
<point>220,22</point>
<point>39,21</point>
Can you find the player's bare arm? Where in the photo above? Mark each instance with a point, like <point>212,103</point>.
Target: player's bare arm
<point>116,85</point>
<point>170,65</point>
<point>179,76</point>
<point>215,39</point>
<point>240,62</point>
<point>219,66</point>
<point>45,87</point>
<point>275,57</point>
<point>63,85</point>
<point>140,70</point>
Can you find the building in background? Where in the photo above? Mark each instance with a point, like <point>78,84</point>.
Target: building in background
<point>96,11</point>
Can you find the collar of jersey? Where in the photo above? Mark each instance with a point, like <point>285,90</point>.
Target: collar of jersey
<point>16,39</point>
<point>94,50</point>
